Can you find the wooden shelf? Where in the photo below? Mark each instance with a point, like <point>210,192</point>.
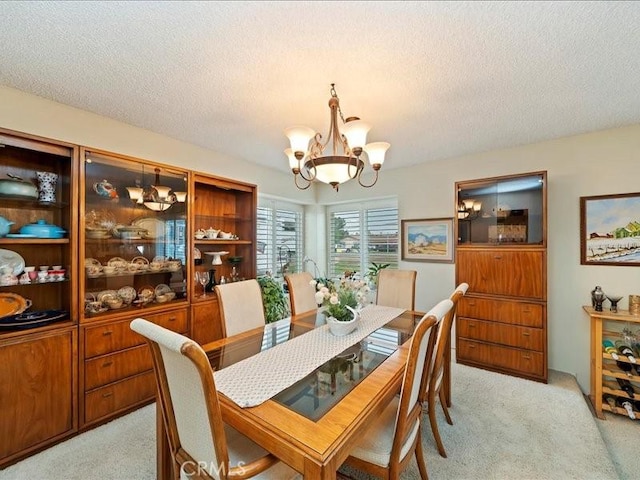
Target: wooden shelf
<point>222,241</point>
<point>34,241</point>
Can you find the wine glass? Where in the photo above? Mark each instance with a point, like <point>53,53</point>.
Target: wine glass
<point>203,279</point>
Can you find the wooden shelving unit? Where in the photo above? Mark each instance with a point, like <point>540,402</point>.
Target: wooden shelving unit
<point>604,370</point>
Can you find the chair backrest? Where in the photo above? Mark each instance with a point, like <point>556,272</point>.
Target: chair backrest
<point>241,307</point>
<point>188,398</point>
<point>441,343</point>
<point>397,288</point>
<point>302,294</point>
<point>410,408</point>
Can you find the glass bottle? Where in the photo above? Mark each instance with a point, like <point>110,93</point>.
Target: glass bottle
<point>212,281</point>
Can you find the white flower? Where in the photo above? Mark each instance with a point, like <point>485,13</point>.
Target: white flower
<point>319,298</point>
<point>313,283</point>
<point>333,299</point>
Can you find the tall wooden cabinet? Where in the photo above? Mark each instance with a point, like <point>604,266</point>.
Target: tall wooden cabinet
<point>38,352</point>
<point>501,253</point>
<point>223,221</point>
<point>133,247</point>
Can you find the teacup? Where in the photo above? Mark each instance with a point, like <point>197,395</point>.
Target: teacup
<point>93,307</point>
<point>156,266</point>
<point>44,268</point>
<point>114,303</point>
<point>109,270</point>
<point>94,270</point>
<point>56,267</point>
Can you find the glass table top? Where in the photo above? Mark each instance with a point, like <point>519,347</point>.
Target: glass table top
<point>318,392</point>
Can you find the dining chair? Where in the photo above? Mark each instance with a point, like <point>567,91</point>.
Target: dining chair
<point>241,307</point>
<point>387,446</point>
<point>302,295</point>
<point>446,379</point>
<point>397,288</point>
<point>433,390</point>
<point>202,446</point>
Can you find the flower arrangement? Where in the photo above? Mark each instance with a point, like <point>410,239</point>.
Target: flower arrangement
<point>341,297</point>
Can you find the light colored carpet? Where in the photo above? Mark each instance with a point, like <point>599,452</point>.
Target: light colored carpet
<point>504,428</point>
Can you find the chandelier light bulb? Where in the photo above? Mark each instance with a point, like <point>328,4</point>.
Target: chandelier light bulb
<point>355,132</point>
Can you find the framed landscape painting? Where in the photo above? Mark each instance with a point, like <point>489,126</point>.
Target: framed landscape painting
<point>610,230</point>
<point>428,240</point>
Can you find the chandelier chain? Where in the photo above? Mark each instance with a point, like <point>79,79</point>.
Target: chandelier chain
<point>334,94</point>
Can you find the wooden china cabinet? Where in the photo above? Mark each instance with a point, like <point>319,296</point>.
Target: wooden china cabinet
<point>38,324</point>
<point>501,253</point>
<point>220,208</point>
<point>133,251</point>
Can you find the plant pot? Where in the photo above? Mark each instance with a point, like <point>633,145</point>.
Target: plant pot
<point>340,328</point>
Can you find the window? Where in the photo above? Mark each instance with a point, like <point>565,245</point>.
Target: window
<point>360,235</point>
<point>280,235</point>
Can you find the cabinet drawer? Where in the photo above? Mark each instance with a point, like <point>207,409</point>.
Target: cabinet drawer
<point>516,360</point>
<point>117,336</point>
<point>505,311</point>
<point>118,396</point>
<point>500,272</point>
<point>510,335</point>
<point>115,366</point>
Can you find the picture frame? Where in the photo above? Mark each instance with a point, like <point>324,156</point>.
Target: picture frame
<point>610,230</point>
<point>428,240</point>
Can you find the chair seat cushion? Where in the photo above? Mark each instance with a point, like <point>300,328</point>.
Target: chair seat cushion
<point>376,445</point>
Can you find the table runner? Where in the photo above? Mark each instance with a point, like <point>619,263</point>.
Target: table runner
<point>256,379</point>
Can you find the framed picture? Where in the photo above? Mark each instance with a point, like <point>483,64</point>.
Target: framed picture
<point>610,230</point>
<point>428,240</point>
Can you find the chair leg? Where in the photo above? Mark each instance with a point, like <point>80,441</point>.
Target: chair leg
<point>443,402</point>
<point>434,426</point>
<point>422,466</point>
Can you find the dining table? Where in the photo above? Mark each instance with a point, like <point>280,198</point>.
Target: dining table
<point>315,422</point>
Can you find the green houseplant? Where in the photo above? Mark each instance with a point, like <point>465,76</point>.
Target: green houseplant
<point>274,300</point>
<point>374,270</point>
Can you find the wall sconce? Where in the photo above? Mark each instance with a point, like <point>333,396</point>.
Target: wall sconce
<point>157,197</point>
<point>469,209</point>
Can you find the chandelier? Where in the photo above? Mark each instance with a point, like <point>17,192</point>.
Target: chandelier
<point>155,197</point>
<point>308,161</point>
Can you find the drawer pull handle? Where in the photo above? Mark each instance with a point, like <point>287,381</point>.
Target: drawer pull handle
<point>106,333</point>
<point>526,357</point>
<point>472,304</point>
<point>172,319</point>
<point>472,346</point>
<point>526,334</point>
<point>107,395</point>
<point>526,310</point>
<point>498,257</point>
<point>107,364</point>
<point>472,325</point>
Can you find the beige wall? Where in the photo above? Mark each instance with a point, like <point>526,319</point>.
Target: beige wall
<point>597,163</point>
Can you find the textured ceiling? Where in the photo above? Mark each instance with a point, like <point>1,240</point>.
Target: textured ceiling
<point>436,79</point>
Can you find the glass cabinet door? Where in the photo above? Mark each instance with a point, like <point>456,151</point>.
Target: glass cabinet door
<point>502,210</point>
<point>134,235</point>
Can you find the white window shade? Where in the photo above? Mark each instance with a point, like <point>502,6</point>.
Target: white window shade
<point>360,235</point>
<point>280,236</point>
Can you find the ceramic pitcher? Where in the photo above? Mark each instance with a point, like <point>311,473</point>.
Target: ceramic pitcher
<point>47,186</point>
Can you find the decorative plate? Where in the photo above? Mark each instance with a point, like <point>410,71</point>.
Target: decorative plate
<point>140,260</point>
<point>197,255</point>
<point>9,258</point>
<point>12,304</point>
<point>104,295</point>
<point>91,262</point>
<point>32,319</point>
<point>118,262</point>
<point>161,289</point>
<point>128,294</point>
<point>155,228</point>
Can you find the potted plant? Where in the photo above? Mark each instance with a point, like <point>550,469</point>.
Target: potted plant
<point>274,300</point>
<point>372,272</point>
